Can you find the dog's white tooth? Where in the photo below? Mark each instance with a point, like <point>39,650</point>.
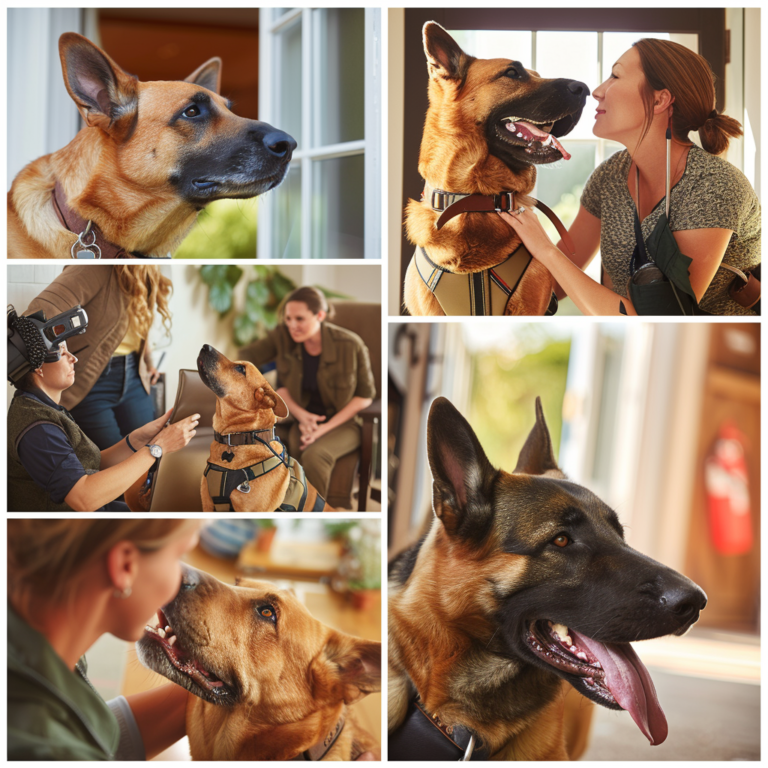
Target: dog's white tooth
<point>167,627</point>
<point>598,665</point>
<point>561,631</point>
<point>574,649</point>
<point>567,640</point>
<point>161,632</point>
<point>519,135</point>
<point>581,655</point>
<point>172,640</point>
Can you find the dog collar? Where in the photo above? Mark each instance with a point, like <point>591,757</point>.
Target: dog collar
<point>321,749</point>
<point>90,243</point>
<point>244,438</point>
<point>425,737</point>
<point>451,204</point>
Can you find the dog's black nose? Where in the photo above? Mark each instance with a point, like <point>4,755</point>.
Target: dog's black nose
<point>279,143</point>
<point>578,89</point>
<point>685,601</point>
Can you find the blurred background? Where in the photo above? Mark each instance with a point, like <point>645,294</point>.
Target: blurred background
<point>314,73</point>
<point>579,43</point>
<point>333,565</point>
<point>662,421</point>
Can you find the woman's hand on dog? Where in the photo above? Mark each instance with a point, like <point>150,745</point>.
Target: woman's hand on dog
<point>175,436</point>
<point>528,228</point>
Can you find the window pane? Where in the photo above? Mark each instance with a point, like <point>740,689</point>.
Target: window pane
<point>616,43</point>
<point>560,185</point>
<point>339,75</point>
<point>495,44</point>
<point>289,85</point>
<point>572,55</point>
<point>286,224</point>
<point>338,208</point>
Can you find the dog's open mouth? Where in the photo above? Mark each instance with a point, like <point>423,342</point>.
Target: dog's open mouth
<point>538,139</point>
<point>180,665</point>
<point>609,673</point>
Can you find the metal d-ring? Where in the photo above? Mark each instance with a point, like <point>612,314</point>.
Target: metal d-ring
<point>470,749</point>
<point>93,250</point>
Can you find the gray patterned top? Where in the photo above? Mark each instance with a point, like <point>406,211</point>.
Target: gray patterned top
<point>712,193</point>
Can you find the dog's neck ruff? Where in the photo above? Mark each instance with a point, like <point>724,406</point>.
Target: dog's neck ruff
<point>91,243</point>
<point>322,748</point>
<point>245,438</point>
<point>425,737</point>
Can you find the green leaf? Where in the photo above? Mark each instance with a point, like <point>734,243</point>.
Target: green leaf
<point>282,285</point>
<point>262,271</point>
<point>245,330</point>
<point>220,297</point>
<point>233,274</point>
<point>257,291</point>
<point>212,273</point>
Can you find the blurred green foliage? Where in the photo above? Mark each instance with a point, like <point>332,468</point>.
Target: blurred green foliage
<point>505,384</point>
<point>226,229</point>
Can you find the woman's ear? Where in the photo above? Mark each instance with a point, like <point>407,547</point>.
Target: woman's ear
<point>123,565</point>
<point>663,101</point>
<point>321,315</point>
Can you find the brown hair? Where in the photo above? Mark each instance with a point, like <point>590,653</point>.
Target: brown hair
<point>147,289</point>
<point>312,297</point>
<point>46,558</point>
<point>690,80</point>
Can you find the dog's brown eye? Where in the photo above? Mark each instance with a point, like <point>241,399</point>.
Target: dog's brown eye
<point>192,111</point>
<point>561,541</point>
<point>240,369</point>
<point>267,612</point>
<point>512,72</point>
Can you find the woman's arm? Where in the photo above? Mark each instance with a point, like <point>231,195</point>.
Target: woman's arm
<point>585,234</point>
<point>161,716</point>
<point>92,492</point>
<point>589,296</point>
<point>154,374</point>
<point>349,411</point>
<point>706,247</point>
<point>138,438</point>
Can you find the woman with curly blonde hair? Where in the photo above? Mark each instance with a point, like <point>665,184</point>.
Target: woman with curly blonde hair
<point>111,395</point>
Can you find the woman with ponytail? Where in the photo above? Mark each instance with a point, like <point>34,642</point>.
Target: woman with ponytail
<point>655,88</point>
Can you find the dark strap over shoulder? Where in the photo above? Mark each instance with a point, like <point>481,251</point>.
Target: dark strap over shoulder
<point>424,737</point>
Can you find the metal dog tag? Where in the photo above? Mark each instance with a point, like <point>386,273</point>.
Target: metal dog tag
<point>244,487</point>
<point>87,250</point>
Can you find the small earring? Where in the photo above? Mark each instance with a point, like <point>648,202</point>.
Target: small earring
<point>122,593</point>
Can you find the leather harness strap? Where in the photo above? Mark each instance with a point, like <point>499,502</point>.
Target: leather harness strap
<point>425,737</point>
<point>78,226</point>
<point>473,293</point>
<point>453,203</point>
<point>322,748</point>
<point>245,438</point>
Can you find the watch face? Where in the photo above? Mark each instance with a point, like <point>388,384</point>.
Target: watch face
<point>156,451</point>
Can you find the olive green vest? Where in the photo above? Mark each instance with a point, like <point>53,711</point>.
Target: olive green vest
<point>24,495</point>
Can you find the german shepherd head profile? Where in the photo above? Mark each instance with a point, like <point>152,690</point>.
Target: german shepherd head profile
<point>490,122</point>
<point>524,580</point>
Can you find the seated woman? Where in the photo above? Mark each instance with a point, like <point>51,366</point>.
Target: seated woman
<point>325,378</point>
<point>52,464</point>
<point>656,86</point>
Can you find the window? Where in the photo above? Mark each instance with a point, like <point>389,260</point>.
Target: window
<point>320,82</point>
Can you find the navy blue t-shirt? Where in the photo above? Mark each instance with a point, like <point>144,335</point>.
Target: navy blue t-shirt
<point>49,459</point>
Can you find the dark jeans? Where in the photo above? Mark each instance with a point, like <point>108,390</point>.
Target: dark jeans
<point>116,405</point>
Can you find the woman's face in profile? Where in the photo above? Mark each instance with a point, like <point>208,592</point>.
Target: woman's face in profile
<point>302,324</point>
<point>620,110</point>
<point>61,374</point>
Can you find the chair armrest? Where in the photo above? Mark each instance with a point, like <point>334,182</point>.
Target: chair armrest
<point>373,411</point>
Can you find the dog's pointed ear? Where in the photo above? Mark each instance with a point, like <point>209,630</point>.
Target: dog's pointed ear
<point>106,96</point>
<point>207,75</point>
<point>444,56</point>
<point>462,476</point>
<point>280,408</point>
<point>537,456</point>
<point>355,664</point>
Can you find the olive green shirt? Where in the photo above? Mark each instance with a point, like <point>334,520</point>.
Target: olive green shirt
<point>344,371</point>
<point>54,713</point>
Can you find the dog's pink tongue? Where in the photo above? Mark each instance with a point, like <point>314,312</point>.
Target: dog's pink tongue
<point>530,131</point>
<point>630,683</point>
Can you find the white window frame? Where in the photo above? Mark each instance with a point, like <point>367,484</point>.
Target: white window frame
<point>272,23</point>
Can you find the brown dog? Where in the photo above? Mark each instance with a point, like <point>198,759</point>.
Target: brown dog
<point>270,682</point>
<point>489,122</point>
<point>151,157</point>
<point>249,469</point>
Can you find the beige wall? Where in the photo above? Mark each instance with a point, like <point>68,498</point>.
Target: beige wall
<point>396,66</point>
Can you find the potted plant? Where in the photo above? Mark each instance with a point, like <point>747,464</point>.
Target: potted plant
<point>266,530</point>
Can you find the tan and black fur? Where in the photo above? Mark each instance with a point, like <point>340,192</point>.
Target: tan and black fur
<point>493,561</point>
<point>151,156</point>
<point>276,681</point>
<point>245,401</point>
<point>466,149</point>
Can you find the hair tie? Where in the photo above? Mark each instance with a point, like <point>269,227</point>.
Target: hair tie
<point>712,115</point>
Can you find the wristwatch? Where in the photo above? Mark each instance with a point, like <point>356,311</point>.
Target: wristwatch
<point>155,450</point>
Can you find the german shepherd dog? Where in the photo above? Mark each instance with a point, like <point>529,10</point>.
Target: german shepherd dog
<point>523,580</point>
<point>151,157</point>
<point>269,681</point>
<point>489,123</point>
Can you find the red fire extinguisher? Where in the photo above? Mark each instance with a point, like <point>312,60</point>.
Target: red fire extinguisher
<point>727,486</point>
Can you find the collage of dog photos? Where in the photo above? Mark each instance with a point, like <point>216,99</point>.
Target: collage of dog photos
<point>520,229</point>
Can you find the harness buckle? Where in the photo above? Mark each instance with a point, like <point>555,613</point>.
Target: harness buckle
<point>497,201</point>
<point>438,201</point>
